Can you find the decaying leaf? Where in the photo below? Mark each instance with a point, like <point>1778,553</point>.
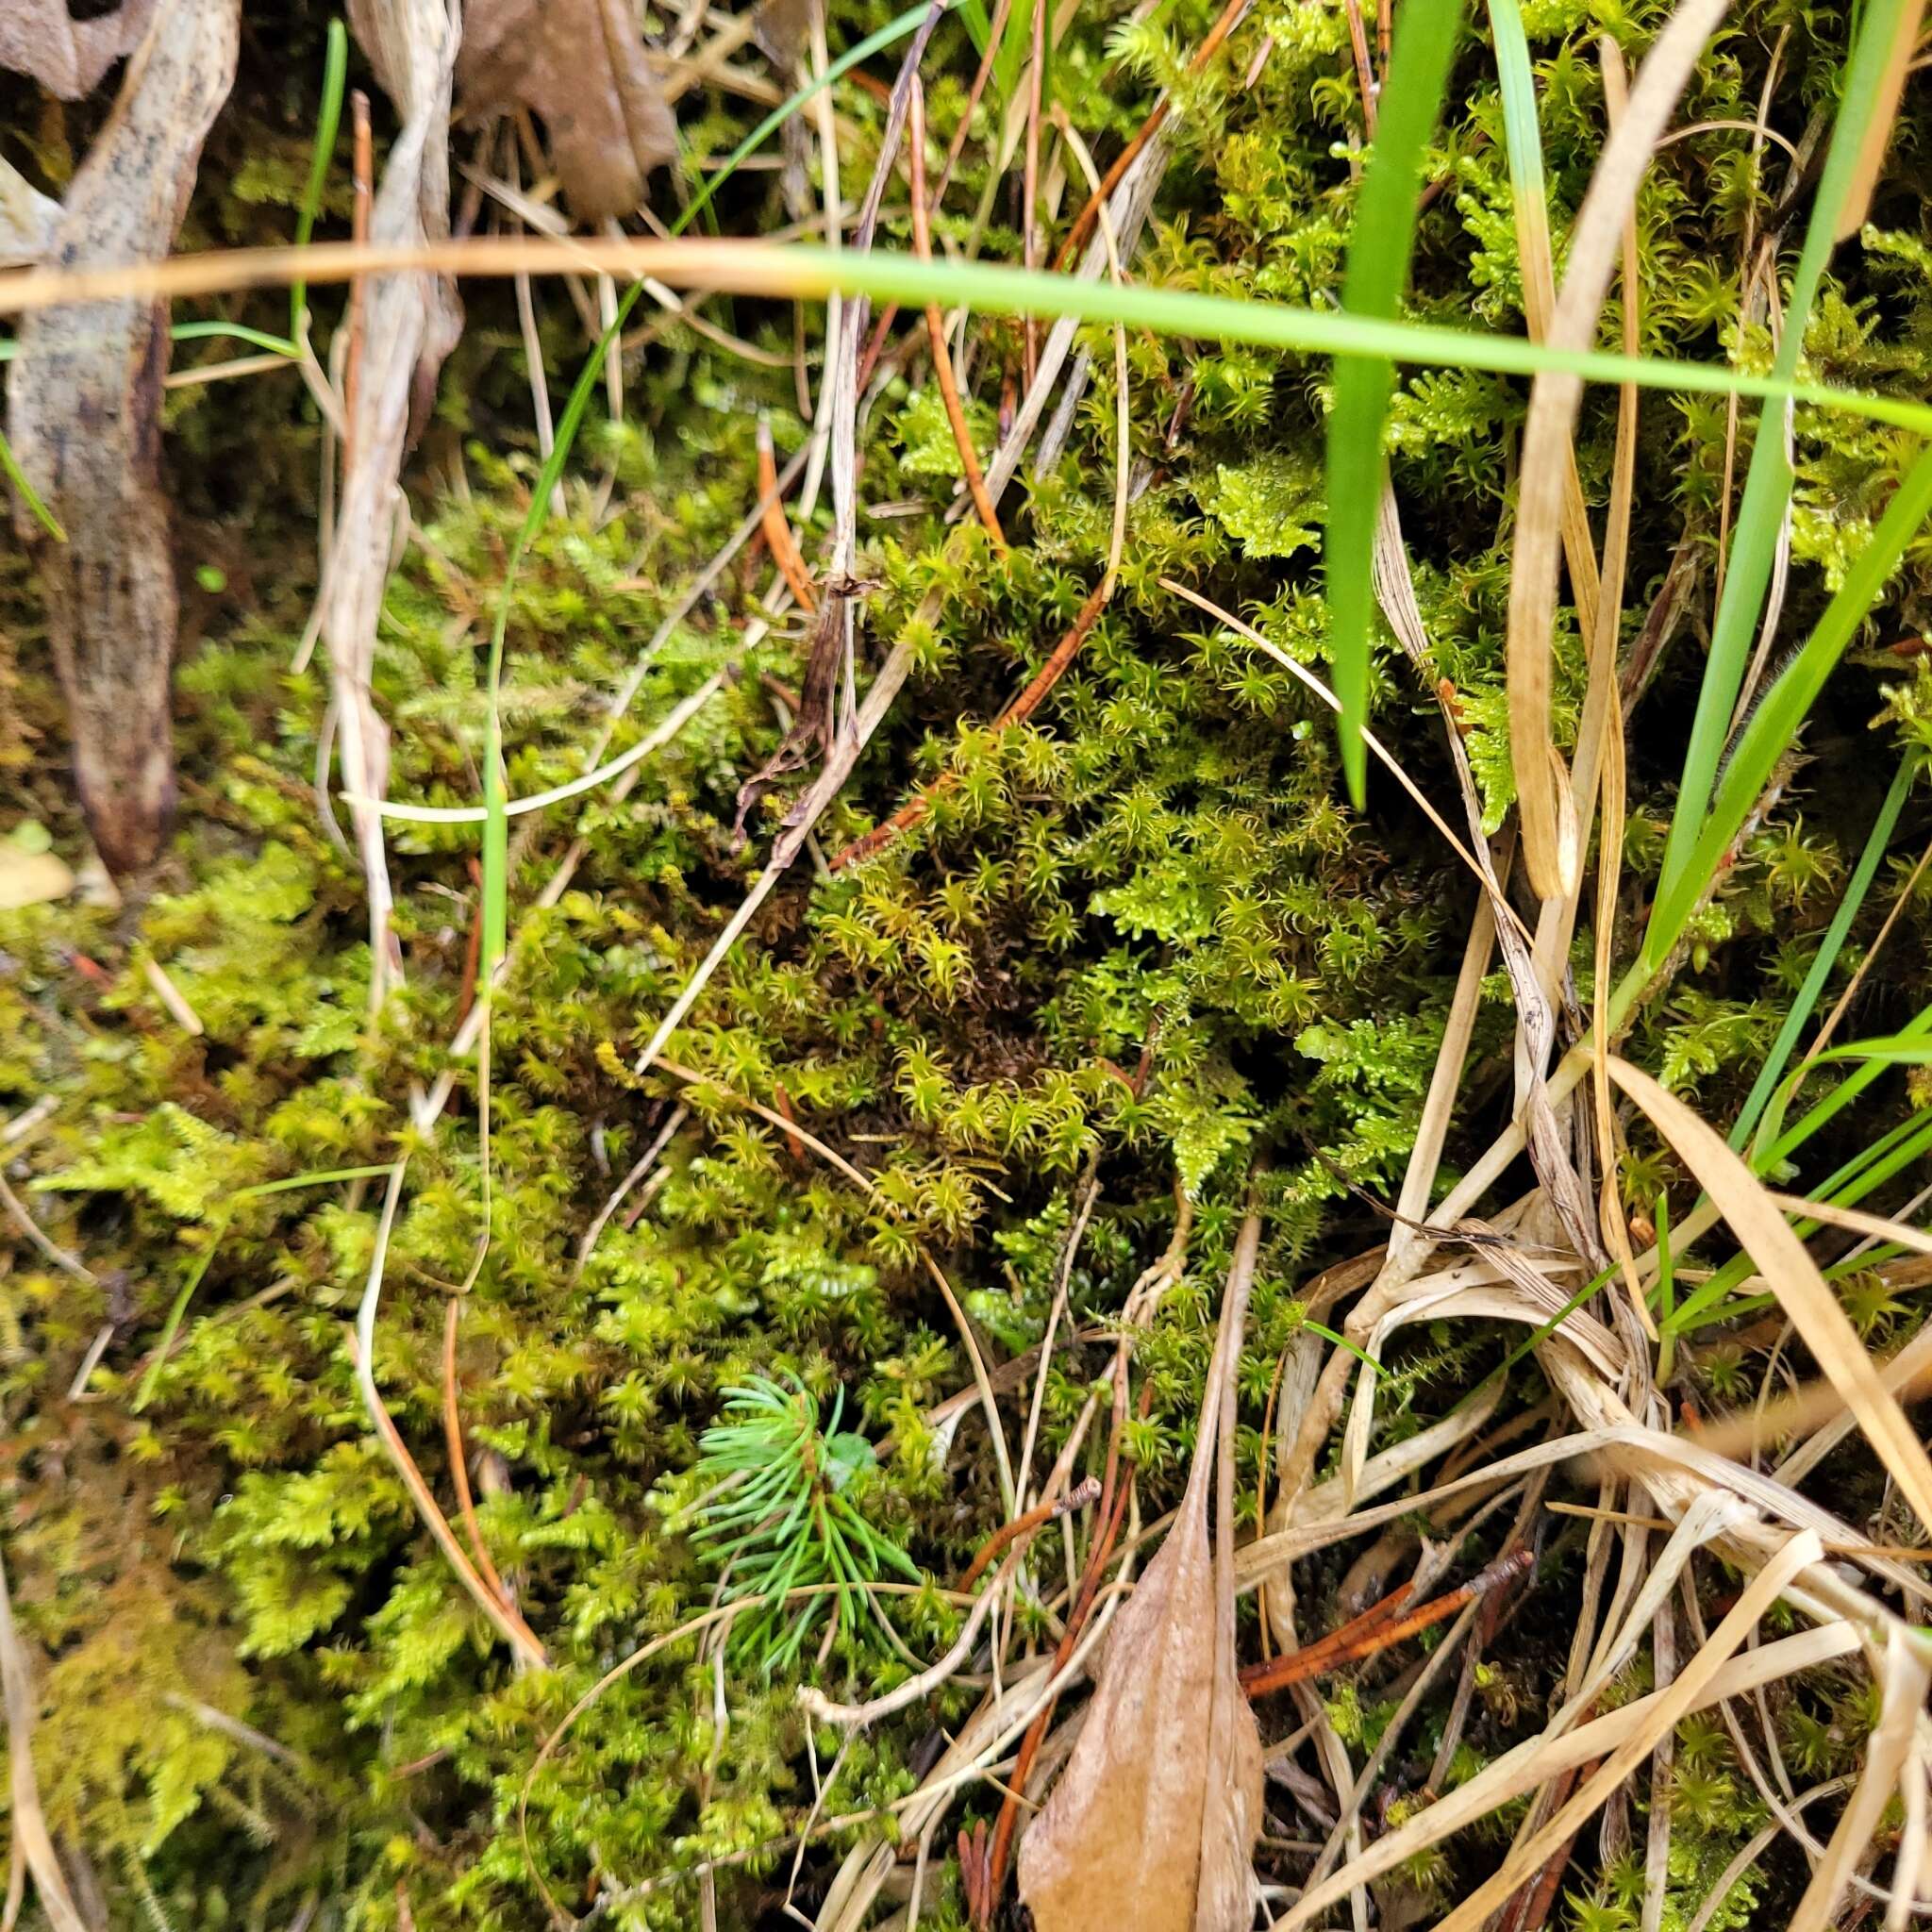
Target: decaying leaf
<point>65,53</point>
<point>84,416</point>
<point>578,64</point>
<point>31,878</point>
<point>412,323</point>
<point>26,219</point>
<point>781,30</point>
<point>1153,1824</point>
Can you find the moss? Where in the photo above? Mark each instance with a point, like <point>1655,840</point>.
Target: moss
<point>1159,867</point>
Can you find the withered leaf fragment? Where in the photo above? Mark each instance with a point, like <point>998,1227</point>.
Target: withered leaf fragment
<point>412,323</point>
<point>581,66</point>
<point>1153,1824</point>
<point>66,55</point>
<point>84,402</point>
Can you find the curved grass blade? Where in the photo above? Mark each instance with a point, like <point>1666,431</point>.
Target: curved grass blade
<point>1378,254</point>
<point>1767,480</point>
<point>1774,723</point>
<point>333,73</point>
<point>172,1327</point>
<point>9,468</point>
<point>1829,947</point>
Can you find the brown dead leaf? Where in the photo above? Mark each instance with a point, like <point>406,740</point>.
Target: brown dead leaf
<point>84,416</point>
<point>781,30</point>
<point>1153,1824</point>
<point>68,56</point>
<point>579,65</point>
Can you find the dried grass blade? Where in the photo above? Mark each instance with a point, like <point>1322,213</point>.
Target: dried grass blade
<point>1523,138</point>
<point>1794,1277</point>
<point>1540,1758</point>
<point>1153,1822</point>
<point>1593,245</point>
<point>1667,1707</point>
<point>31,1835</point>
<point>1907,1678</point>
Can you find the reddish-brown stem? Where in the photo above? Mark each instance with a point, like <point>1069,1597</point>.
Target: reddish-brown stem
<point>1528,1908</point>
<point>915,810</point>
<point>1377,1629</point>
<point>458,1462</point>
<point>1364,70</point>
<point>775,526</point>
<point>472,953</point>
<point>1083,225</point>
<point>936,333</point>
<point>1025,1525</point>
<point>953,149</point>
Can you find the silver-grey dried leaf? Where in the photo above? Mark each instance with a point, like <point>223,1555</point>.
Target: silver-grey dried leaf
<point>84,396</point>
<point>68,57</point>
<point>26,219</point>
<point>410,324</point>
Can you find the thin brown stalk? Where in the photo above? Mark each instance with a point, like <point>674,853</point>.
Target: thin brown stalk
<point>936,332</point>
<point>1077,1498</point>
<point>1084,222</point>
<point>1384,1624</point>
<point>776,525</point>
<point>459,1460</point>
<point>1871,952</point>
<point>1364,70</point>
<point>916,809</point>
<point>953,149</point>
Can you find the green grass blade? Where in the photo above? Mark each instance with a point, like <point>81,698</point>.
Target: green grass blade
<point>1767,480</point>
<point>240,332</point>
<point>1521,137</point>
<point>329,123</point>
<point>805,270</point>
<point>1829,947</point>
<point>1896,1050</point>
<point>1378,254</point>
<point>9,468</point>
<point>178,1307</point>
<point>1775,723</point>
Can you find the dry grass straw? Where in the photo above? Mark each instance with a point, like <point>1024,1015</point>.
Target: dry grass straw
<point>1551,843</point>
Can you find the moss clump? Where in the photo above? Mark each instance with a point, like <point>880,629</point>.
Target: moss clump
<point>1140,938</point>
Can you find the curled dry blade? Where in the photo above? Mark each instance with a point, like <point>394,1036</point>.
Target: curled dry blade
<point>412,322</point>
<point>85,418</point>
<point>1153,1824</point>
